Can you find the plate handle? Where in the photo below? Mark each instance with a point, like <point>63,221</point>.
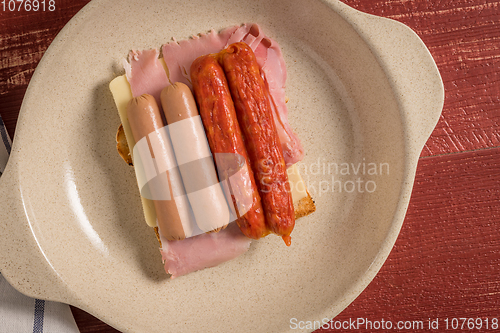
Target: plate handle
<point>410,68</point>
<point>22,262</point>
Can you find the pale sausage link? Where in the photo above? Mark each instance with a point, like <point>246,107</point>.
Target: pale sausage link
<point>145,122</point>
<point>194,158</point>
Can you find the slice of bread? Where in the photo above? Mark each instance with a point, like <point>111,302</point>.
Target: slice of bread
<point>303,207</point>
<point>122,146</point>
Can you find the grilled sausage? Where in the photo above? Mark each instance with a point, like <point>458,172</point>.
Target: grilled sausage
<point>253,109</point>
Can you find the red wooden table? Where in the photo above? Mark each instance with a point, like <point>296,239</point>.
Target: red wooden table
<point>446,261</point>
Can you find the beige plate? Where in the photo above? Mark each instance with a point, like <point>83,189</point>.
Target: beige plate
<point>365,95</point>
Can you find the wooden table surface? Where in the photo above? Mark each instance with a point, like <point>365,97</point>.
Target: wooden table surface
<point>446,261</point>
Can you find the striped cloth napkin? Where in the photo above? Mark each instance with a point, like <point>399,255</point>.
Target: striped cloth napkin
<point>20,313</point>
<point>4,147</point>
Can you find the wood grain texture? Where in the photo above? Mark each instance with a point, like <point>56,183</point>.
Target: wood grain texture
<point>446,260</point>
<point>463,36</point>
<point>89,324</point>
<point>24,38</point>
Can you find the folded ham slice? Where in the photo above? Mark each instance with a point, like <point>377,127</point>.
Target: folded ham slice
<point>272,64</point>
<point>180,55</point>
<point>203,251</point>
<point>146,74</point>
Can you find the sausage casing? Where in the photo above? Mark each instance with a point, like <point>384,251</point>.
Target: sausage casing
<point>225,138</point>
<point>253,109</point>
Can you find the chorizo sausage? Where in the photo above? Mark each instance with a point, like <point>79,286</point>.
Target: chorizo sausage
<point>253,109</point>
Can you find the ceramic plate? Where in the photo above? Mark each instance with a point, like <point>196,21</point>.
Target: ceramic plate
<point>364,95</point>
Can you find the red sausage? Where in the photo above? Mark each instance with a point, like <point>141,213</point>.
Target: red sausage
<point>253,109</point>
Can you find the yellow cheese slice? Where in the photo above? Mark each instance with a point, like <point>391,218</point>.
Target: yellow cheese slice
<point>122,94</point>
<point>297,185</point>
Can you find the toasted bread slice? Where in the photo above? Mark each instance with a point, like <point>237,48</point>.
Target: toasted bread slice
<point>304,207</point>
<point>122,146</point>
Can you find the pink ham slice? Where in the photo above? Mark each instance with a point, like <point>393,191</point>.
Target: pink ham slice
<point>203,251</point>
<point>180,55</point>
<point>146,74</point>
<point>270,59</point>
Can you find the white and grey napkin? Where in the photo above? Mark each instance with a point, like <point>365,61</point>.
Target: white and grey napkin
<point>20,313</point>
<point>4,147</point>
